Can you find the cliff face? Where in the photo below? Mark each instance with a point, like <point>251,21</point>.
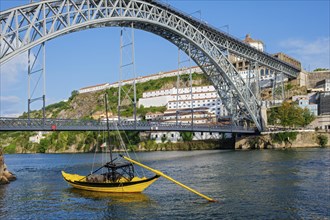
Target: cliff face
<point>266,141</point>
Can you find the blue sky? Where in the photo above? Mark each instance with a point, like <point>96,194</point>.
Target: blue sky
<point>297,28</point>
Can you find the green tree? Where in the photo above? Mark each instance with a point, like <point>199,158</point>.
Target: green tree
<point>150,145</point>
<point>133,137</point>
<point>10,149</point>
<point>284,114</point>
<point>187,136</point>
<point>323,140</point>
<point>89,138</point>
<point>23,141</point>
<point>164,138</point>
<point>71,138</point>
<point>308,117</point>
<point>43,146</point>
<point>61,141</point>
<point>290,115</point>
<point>284,137</point>
<point>272,116</point>
<point>288,86</point>
<point>320,69</point>
<point>74,93</point>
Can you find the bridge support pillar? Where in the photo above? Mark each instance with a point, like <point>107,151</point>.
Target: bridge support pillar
<point>126,71</point>
<point>263,115</point>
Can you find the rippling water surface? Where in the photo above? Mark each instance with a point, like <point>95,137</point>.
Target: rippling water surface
<point>265,184</point>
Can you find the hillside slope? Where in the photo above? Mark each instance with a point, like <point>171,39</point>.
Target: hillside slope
<point>87,106</point>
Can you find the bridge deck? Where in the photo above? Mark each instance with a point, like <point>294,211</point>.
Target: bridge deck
<point>17,124</point>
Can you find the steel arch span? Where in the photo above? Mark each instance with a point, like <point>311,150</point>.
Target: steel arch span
<point>26,26</point>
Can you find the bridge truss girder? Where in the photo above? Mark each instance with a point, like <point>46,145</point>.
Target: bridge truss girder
<point>27,26</point>
<point>236,47</point>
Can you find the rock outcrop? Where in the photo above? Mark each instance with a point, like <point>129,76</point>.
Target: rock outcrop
<point>5,175</point>
<point>265,141</point>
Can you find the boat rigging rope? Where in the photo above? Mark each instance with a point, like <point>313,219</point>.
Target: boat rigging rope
<point>136,156</point>
<point>122,144</point>
<point>95,151</point>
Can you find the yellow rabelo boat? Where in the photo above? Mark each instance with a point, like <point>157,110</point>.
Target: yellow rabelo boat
<point>112,177</point>
<point>119,176</point>
<point>106,182</point>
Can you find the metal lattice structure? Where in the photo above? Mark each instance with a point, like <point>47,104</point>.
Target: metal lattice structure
<point>19,124</point>
<point>26,26</point>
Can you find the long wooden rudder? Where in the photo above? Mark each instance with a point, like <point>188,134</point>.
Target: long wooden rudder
<point>169,178</point>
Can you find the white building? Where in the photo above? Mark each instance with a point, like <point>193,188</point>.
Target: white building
<point>140,79</point>
<point>258,44</point>
<point>182,99</point>
<point>36,138</point>
<point>174,136</point>
<point>157,116</point>
<point>200,103</point>
<point>94,88</point>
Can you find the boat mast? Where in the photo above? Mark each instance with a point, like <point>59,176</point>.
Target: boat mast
<point>108,127</point>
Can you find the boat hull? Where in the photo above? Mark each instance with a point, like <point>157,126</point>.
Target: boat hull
<point>136,185</point>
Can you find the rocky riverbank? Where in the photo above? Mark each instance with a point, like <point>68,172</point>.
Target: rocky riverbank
<point>292,139</point>
<point>5,175</point>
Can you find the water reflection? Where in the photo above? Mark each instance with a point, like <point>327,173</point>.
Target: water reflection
<point>265,184</point>
<point>113,197</point>
<point>115,205</point>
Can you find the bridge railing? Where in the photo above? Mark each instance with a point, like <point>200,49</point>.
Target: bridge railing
<point>37,124</point>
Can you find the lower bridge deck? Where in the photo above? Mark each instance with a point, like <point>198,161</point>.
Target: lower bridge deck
<point>18,124</point>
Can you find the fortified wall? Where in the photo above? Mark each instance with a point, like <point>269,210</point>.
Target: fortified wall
<point>315,77</point>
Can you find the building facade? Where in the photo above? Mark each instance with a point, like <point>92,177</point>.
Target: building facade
<point>323,85</point>
<point>304,103</point>
<point>174,136</point>
<point>183,99</point>
<point>324,103</point>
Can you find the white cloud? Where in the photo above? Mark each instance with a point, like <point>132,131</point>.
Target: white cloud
<point>11,115</point>
<point>10,70</point>
<point>9,106</point>
<point>311,54</point>
<point>10,99</point>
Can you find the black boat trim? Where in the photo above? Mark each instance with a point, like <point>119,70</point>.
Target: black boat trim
<point>83,183</point>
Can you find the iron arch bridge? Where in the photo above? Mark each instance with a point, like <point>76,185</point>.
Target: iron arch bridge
<point>27,26</point>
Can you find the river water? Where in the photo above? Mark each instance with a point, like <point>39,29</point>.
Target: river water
<point>263,184</point>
